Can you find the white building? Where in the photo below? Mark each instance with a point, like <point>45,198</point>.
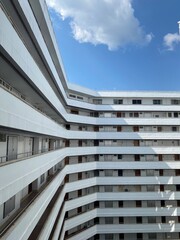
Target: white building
<point>77,164</point>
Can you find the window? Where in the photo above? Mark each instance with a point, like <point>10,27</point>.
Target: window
<point>96,204</point>
<point>157,101</point>
<point>68,126</point>
<point>174,129</point>
<point>162,188</point>
<point>169,114</point>
<point>121,220</point>
<point>74,111</point>
<point>120,204</point>
<point>9,206</point>
<point>119,129</point>
<point>42,178</point>
<point>79,193</point>
<point>96,173</point>
<point>121,236</point>
<point>162,203</point>
<point>96,142</point>
<point>96,237</point>
<point>138,203</point>
<point>96,220</point>
<point>118,101</point>
<point>96,114</point>
<point>138,219</point>
<point>175,114</point>
<point>118,114</point>
<point>138,172</point>
<point>120,173</point>
<point>136,101</point>
<point>66,161</point>
<point>79,210</point>
<point>176,157</point>
<point>80,143</point>
<point>163,219</point>
<point>2,137</point>
<point>175,101</point>
<point>136,114</point>
<point>96,158</point>
<point>97,101</point>
<point>159,129</point>
<point>136,142</point>
<point>139,236</point>
<point>137,157</point>
<point>80,98</point>
<point>178,187</point>
<point>79,159</point>
<point>136,128</point>
<point>119,156</point>
<point>72,96</point>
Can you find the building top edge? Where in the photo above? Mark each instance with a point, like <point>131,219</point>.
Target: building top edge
<point>129,93</point>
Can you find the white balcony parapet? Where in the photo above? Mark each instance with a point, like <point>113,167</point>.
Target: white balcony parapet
<point>125,228</point>
<point>23,172</point>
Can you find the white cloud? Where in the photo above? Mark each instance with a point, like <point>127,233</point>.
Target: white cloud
<point>171,40</point>
<point>109,22</point>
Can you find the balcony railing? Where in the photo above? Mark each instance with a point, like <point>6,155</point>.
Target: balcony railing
<point>20,156</point>
<point>24,205</point>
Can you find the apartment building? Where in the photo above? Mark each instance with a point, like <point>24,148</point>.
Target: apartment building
<point>77,164</point>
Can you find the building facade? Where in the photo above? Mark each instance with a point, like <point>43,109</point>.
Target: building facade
<point>74,163</point>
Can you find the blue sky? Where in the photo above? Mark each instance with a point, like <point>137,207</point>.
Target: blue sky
<point>119,44</point>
